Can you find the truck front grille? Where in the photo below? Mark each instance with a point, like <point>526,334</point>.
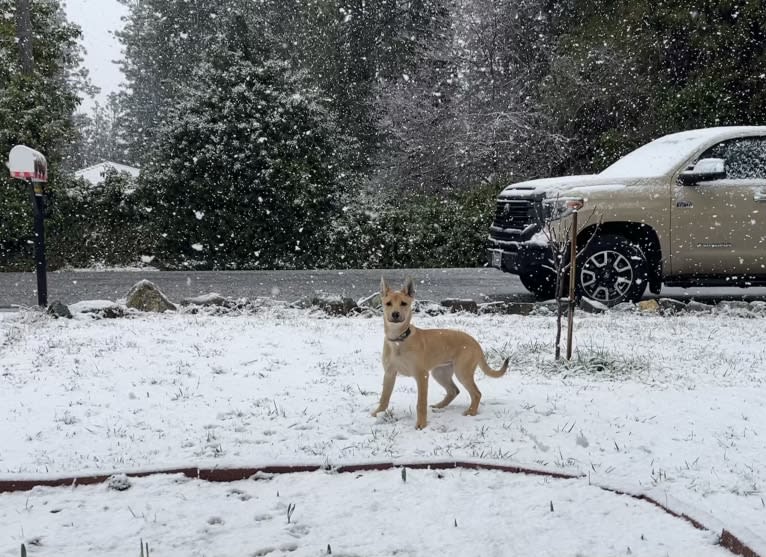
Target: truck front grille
<point>513,213</point>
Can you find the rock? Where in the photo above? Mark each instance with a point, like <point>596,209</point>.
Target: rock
<point>506,308</point>
<point>145,296</point>
<point>758,307</point>
<point>694,306</point>
<point>489,308</point>
<point>454,305</point>
<point>372,301</point>
<point>335,305</point>
<point>624,307</point>
<point>541,308</point>
<point>519,308</point>
<point>649,306</point>
<point>548,307</point>
<point>428,307</point>
<point>592,306</point>
<point>669,305</point>
<point>99,308</point>
<point>111,312</point>
<point>212,299</point>
<point>119,482</point>
<point>58,309</point>
<point>734,307</point>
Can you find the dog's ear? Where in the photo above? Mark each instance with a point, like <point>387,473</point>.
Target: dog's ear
<point>409,287</point>
<point>384,289</point>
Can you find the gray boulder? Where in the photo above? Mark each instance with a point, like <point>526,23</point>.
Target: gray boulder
<point>145,296</point>
<point>624,307</point>
<point>428,307</point>
<point>372,301</point>
<point>212,299</point>
<point>592,306</point>
<point>694,306</point>
<point>335,305</point>
<point>455,305</point>
<point>58,309</point>
<point>669,305</point>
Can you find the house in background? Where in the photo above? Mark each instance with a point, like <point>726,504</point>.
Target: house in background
<point>94,175</point>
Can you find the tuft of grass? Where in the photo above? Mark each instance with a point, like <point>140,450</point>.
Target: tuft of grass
<point>599,362</point>
<point>520,355</point>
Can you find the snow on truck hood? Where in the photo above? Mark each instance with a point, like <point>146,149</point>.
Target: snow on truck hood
<point>587,183</point>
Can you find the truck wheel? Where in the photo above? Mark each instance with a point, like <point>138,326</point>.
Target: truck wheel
<point>611,270</point>
<point>541,283</point>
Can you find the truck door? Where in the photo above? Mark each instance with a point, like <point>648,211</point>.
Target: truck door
<point>719,226</point>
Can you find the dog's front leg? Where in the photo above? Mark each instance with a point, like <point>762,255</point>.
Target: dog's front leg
<point>422,408</point>
<point>389,378</point>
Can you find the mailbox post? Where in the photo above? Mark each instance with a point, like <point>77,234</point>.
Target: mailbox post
<point>30,166</point>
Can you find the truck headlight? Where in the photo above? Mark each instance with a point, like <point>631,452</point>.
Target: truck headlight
<point>557,208</point>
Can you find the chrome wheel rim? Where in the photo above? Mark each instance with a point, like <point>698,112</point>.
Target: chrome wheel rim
<point>606,276</point>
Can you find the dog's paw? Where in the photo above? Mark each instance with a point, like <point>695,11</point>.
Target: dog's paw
<point>421,425</point>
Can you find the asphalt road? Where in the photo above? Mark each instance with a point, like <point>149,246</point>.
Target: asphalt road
<point>481,284</point>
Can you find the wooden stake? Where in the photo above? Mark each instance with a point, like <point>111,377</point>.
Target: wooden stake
<point>572,282</point>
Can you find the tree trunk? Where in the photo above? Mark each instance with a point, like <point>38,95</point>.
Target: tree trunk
<point>24,36</point>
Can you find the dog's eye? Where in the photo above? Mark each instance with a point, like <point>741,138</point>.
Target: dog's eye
<point>404,303</point>
<point>388,303</point>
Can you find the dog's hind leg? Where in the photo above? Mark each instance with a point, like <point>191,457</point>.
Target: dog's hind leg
<point>465,376</point>
<point>443,376</point>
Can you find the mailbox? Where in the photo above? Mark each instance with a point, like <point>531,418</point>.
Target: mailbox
<point>30,165</point>
<point>27,164</point>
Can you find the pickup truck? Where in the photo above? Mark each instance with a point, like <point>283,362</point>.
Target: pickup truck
<point>687,209</point>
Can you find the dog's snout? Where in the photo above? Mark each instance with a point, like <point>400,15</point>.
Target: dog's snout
<point>395,315</point>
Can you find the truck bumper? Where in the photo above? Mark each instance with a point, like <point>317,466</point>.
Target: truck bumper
<point>519,258</point>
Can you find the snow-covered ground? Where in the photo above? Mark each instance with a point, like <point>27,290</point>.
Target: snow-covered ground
<point>459,512</point>
<point>673,406</point>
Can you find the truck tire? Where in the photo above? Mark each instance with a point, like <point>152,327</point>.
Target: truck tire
<point>541,283</point>
<point>612,269</point>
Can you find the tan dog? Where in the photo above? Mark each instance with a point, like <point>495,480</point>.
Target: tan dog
<point>415,352</point>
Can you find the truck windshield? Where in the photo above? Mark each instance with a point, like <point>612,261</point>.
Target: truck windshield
<point>657,158</point>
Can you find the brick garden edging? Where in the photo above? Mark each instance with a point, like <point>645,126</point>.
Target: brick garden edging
<point>727,539</point>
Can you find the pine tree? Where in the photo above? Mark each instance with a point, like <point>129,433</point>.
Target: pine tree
<point>627,72</point>
<point>245,168</point>
<point>468,114</point>
<point>98,139</point>
<point>36,106</point>
<point>349,47</point>
<point>164,42</point>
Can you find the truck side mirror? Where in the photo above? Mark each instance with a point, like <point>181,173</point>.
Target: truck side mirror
<point>704,170</point>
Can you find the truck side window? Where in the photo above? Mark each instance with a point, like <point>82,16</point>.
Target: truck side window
<point>745,158</point>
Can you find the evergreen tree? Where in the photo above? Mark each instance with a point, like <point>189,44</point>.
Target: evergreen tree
<point>36,106</point>
<point>349,47</point>
<point>164,42</point>
<point>245,168</point>
<point>627,72</point>
<point>468,113</point>
<point>98,139</point>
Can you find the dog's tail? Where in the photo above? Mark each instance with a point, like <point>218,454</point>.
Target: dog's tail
<point>491,372</point>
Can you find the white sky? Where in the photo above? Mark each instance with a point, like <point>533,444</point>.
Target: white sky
<point>99,19</point>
